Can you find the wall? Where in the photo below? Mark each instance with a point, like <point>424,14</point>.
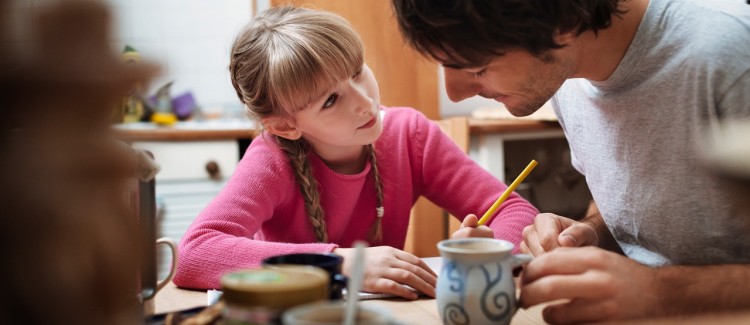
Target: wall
<point>190,39</point>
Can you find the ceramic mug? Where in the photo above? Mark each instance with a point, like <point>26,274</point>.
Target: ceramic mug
<point>331,263</point>
<point>150,284</point>
<point>475,285</point>
<point>144,205</point>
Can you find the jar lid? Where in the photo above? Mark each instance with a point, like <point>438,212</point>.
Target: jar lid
<point>280,287</point>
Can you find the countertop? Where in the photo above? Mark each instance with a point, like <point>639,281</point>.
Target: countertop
<point>187,131</point>
<point>245,129</point>
<point>505,126</point>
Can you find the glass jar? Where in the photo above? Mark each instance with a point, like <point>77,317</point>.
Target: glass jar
<point>260,296</point>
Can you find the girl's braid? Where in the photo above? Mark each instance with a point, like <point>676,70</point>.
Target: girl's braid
<point>298,150</point>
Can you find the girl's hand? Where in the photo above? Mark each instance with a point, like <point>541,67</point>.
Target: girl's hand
<point>389,270</point>
<point>470,228</point>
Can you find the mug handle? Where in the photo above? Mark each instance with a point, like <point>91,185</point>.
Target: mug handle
<point>339,283</point>
<point>173,247</point>
<point>519,261</point>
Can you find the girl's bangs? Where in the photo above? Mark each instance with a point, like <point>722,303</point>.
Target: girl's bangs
<point>310,66</point>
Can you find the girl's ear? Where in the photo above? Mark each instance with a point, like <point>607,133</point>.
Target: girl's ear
<point>281,127</point>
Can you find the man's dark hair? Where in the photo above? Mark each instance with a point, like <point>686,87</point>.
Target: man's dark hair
<point>470,32</point>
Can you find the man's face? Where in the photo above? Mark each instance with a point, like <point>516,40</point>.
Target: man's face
<point>519,80</point>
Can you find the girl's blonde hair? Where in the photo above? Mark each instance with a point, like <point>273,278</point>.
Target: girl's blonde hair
<point>282,61</point>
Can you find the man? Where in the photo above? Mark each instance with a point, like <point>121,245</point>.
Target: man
<point>637,85</point>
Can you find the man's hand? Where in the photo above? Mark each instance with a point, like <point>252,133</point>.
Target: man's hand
<point>470,228</point>
<point>389,270</point>
<point>597,284</point>
<point>551,231</point>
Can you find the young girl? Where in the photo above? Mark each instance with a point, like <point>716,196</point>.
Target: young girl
<point>332,166</point>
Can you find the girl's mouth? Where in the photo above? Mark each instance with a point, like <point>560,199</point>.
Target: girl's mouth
<point>370,123</point>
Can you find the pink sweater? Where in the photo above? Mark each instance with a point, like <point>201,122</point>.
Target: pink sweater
<point>260,213</point>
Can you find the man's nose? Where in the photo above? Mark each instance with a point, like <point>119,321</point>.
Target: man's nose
<point>460,85</point>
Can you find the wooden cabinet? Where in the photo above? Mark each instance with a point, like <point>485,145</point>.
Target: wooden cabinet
<point>429,223</point>
<point>192,173</point>
<point>195,159</point>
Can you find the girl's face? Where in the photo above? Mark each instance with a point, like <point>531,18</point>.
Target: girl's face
<point>341,122</point>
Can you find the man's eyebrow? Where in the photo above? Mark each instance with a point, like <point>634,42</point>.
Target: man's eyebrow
<point>454,66</point>
<point>460,66</point>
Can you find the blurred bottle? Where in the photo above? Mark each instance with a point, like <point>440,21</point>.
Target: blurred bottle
<point>163,113</point>
<point>132,106</point>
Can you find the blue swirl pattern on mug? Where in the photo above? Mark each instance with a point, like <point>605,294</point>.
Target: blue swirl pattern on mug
<point>455,314</point>
<point>455,278</point>
<point>500,301</point>
<point>494,305</point>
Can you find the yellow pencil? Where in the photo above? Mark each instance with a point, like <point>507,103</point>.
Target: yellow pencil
<point>486,217</point>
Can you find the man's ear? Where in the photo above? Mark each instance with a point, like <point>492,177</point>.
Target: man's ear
<point>281,127</point>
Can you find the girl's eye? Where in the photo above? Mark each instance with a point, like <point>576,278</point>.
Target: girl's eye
<point>330,101</point>
<point>357,74</point>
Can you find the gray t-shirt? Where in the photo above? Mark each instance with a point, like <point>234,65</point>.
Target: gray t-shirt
<point>634,136</point>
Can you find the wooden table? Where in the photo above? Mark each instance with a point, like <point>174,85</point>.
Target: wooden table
<point>424,310</point>
<point>171,298</point>
<point>421,311</point>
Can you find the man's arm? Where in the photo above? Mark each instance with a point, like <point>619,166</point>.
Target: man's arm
<point>594,219</point>
<point>604,286</point>
<point>703,289</point>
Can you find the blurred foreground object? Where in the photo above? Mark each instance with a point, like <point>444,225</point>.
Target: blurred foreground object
<point>728,153</point>
<point>69,248</point>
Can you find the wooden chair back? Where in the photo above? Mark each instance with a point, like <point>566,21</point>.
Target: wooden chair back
<point>429,223</point>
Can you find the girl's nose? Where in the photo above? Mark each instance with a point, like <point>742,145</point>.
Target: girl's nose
<point>363,101</point>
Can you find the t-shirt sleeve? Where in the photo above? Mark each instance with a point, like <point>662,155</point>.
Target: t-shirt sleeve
<point>735,104</point>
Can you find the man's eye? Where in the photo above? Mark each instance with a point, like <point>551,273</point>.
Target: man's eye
<point>479,73</point>
<point>330,100</point>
